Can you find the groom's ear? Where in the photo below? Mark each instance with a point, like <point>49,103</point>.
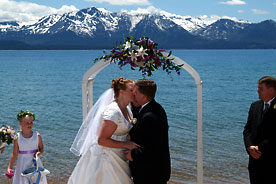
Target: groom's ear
<point>146,98</point>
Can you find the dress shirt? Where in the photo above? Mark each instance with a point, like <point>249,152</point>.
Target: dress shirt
<point>269,102</point>
<point>143,106</point>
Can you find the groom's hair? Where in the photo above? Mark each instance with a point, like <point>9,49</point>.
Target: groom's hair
<point>147,88</point>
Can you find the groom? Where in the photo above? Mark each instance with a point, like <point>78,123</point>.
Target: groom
<point>150,163</point>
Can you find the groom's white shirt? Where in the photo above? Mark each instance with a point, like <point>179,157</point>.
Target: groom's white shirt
<point>143,106</point>
<point>269,102</point>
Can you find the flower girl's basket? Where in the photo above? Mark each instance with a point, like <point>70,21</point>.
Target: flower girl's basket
<point>35,174</point>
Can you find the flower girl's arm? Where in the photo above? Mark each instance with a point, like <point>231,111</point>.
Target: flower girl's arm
<point>13,155</point>
<point>40,145</point>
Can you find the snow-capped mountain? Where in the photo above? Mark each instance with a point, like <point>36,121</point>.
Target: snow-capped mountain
<point>94,28</point>
<point>5,26</point>
<point>189,23</point>
<point>85,21</point>
<point>222,29</point>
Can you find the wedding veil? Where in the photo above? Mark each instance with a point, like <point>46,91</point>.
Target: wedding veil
<point>89,130</point>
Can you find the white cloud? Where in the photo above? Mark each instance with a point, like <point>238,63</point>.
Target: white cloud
<point>27,12</point>
<point>148,10</point>
<point>123,2</point>
<point>256,11</point>
<point>240,11</point>
<point>233,2</point>
<point>274,4</point>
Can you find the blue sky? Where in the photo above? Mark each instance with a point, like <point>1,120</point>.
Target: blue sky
<point>250,10</point>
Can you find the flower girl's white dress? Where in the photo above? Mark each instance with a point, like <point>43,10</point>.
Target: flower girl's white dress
<point>27,147</point>
<point>103,165</point>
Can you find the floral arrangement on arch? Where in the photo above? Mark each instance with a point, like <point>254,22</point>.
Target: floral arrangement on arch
<point>7,134</point>
<point>141,53</point>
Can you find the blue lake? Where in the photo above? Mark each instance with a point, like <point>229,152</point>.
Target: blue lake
<point>49,84</point>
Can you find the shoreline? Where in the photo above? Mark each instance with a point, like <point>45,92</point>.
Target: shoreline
<point>50,180</point>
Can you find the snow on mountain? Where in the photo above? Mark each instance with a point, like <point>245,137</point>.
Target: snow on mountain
<point>134,18</point>
<point>187,22</point>
<point>190,23</point>
<point>88,20</point>
<point>6,26</point>
<point>44,24</point>
<point>222,29</point>
<point>84,22</point>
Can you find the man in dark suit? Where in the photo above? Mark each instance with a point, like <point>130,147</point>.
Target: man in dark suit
<point>149,163</point>
<point>259,133</point>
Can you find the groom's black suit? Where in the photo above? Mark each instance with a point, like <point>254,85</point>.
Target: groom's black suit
<point>260,131</point>
<point>151,162</point>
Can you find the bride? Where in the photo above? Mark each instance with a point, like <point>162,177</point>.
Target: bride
<point>102,138</point>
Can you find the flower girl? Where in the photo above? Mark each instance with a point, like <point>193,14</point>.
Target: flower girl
<point>27,146</point>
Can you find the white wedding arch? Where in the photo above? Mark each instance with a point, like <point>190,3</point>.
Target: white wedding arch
<point>87,101</point>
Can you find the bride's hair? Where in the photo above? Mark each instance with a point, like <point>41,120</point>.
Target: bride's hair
<point>118,84</point>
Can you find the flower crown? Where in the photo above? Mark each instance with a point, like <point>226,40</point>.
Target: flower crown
<point>23,114</point>
<point>142,53</point>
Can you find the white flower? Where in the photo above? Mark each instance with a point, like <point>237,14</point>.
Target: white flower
<point>127,45</point>
<point>142,52</point>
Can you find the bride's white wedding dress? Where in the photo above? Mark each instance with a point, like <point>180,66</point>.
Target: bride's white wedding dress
<point>103,165</point>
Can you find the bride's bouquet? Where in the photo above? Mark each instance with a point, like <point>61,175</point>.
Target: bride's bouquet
<point>7,135</point>
<point>141,53</point>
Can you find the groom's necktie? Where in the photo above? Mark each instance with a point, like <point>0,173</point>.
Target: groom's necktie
<point>266,107</point>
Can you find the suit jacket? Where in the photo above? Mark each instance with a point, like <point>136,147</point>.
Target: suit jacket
<point>151,162</point>
<point>260,130</point>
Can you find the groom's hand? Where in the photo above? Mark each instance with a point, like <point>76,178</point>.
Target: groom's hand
<point>128,155</point>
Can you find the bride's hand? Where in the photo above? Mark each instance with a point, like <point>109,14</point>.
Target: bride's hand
<point>131,145</point>
<point>128,137</point>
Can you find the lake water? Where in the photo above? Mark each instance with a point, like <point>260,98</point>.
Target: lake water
<point>49,84</point>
